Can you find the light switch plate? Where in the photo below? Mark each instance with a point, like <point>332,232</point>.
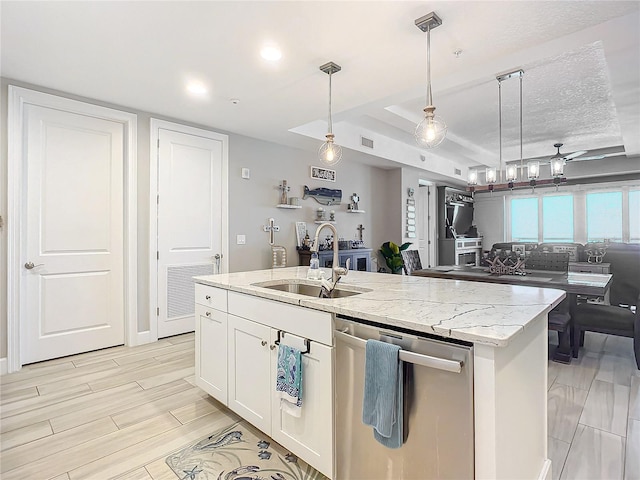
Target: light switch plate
<point>246,173</point>
<point>241,239</point>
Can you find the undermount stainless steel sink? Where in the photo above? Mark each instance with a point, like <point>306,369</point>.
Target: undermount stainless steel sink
<point>307,289</point>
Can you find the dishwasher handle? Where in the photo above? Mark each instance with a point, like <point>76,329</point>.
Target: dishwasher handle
<point>453,366</point>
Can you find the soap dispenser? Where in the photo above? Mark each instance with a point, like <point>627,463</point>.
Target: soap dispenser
<point>314,267</point>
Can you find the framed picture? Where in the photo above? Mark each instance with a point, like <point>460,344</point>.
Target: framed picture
<point>519,250</point>
<point>301,231</point>
<point>323,174</point>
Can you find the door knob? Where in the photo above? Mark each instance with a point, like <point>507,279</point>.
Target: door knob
<point>30,265</point>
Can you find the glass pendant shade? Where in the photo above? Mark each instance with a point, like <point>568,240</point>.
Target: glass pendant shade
<point>431,131</point>
<point>472,178</point>
<point>329,153</point>
<point>533,169</point>
<point>557,166</point>
<point>511,173</point>
<point>491,175</point>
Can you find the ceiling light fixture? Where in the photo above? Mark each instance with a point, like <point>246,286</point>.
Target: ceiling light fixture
<point>557,162</point>
<point>196,88</point>
<point>330,153</point>
<point>431,131</point>
<point>271,53</point>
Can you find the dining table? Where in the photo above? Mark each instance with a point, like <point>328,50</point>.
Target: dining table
<point>577,285</point>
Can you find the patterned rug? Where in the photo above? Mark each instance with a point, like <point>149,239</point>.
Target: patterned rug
<point>237,452</point>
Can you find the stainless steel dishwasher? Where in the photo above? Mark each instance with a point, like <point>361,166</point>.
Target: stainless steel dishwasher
<point>438,408</point>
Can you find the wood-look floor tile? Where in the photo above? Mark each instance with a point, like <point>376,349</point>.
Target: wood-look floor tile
<point>186,337</point>
<point>632,457</point>
<point>137,474</point>
<point>581,372</point>
<point>180,355</point>
<point>91,378</point>
<point>594,341</point>
<point>40,401</point>
<point>117,353</point>
<point>193,411</point>
<point>607,407</point>
<point>59,376</point>
<point>93,450</point>
<point>114,405</point>
<point>138,374</point>
<point>594,454</point>
<point>26,374</point>
<point>166,377</point>
<point>64,476</point>
<point>56,444</point>
<point>153,408</point>
<point>91,400</point>
<point>634,398</point>
<point>26,434</point>
<point>154,353</point>
<point>615,369</point>
<point>159,470</point>
<point>18,395</point>
<point>563,410</point>
<point>619,345</point>
<point>151,448</point>
<point>557,451</point>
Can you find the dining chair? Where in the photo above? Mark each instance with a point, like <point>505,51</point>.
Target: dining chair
<point>621,317</point>
<point>411,261</point>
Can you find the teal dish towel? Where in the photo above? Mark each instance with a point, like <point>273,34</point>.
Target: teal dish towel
<point>289,380</point>
<point>382,405</point>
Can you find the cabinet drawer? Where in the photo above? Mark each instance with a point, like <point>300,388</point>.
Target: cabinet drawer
<point>307,323</point>
<point>211,297</point>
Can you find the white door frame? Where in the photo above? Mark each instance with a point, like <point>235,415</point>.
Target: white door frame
<point>156,125</point>
<point>18,98</point>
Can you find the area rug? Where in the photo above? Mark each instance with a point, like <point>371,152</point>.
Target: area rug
<point>238,452</point>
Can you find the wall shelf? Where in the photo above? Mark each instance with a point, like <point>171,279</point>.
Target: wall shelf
<point>286,205</point>
<point>324,221</point>
<point>356,211</point>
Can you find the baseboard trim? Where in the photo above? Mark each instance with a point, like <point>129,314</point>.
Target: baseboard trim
<point>3,366</point>
<point>545,474</point>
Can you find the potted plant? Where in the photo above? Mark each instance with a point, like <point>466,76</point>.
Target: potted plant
<point>391,253</point>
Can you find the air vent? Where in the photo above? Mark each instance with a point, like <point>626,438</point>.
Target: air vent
<point>366,142</point>
<point>457,171</point>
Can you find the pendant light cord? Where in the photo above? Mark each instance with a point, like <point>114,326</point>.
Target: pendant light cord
<point>500,125</point>
<point>521,159</point>
<point>330,123</point>
<point>429,98</point>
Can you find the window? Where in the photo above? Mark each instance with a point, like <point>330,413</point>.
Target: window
<point>634,216</point>
<point>524,219</point>
<point>604,216</point>
<point>557,218</point>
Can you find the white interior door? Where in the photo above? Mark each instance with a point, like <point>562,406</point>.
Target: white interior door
<point>73,232</point>
<point>189,219</point>
<point>423,225</point>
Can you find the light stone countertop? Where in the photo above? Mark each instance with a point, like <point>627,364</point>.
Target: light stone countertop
<point>486,313</point>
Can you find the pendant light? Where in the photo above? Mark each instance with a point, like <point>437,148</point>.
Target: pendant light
<point>557,162</point>
<point>329,152</point>
<point>431,131</point>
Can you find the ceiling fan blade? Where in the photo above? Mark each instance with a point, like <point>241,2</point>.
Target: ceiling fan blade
<point>575,154</point>
<point>593,157</point>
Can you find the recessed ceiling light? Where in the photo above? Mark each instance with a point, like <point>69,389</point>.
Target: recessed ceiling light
<point>271,53</point>
<point>196,88</point>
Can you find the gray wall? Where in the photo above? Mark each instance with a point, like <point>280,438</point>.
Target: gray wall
<point>251,202</point>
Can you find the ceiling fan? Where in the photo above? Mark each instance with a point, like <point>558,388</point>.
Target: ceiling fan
<point>569,157</point>
<point>579,155</point>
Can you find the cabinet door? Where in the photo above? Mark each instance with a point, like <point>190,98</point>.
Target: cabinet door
<point>250,386</point>
<point>211,352</point>
<point>361,262</point>
<point>311,435</point>
<point>342,258</point>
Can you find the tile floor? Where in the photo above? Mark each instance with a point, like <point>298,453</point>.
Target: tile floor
<point>117,413</point>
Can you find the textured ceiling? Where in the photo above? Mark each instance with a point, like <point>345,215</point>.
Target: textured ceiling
<point>581,60</point>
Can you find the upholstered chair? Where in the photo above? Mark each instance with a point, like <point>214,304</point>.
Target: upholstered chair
<point>411,261</point>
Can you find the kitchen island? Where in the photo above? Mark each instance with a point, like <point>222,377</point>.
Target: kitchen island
<point>507,326</point>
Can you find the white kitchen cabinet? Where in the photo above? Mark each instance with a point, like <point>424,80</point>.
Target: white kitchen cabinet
<point>211,347</point>
<point>311,435</point>
<point>244,329</point>
<point>250,387</point>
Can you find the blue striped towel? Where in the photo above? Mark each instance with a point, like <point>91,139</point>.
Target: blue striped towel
<point>382,405</point>
<point>289,380</point>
